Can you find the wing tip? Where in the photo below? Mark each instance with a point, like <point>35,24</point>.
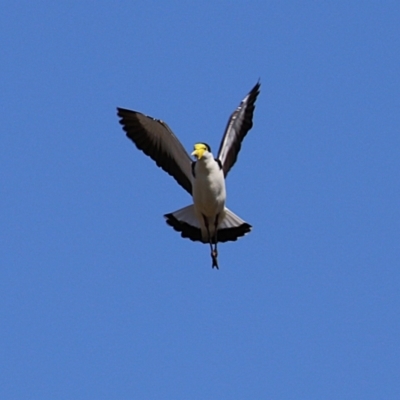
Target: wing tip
<point>256,90</point>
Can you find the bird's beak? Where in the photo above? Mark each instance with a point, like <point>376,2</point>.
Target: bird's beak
<point>195,153</point>
<point>198,151</point>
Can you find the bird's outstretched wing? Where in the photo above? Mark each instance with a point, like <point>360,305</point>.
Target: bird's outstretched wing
<point>239,124</point>
<point>156,140</point>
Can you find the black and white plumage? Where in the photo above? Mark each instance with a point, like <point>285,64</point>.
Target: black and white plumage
<point>207,220</point>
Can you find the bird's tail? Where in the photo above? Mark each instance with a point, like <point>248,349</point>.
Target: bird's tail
<point>185,221</point>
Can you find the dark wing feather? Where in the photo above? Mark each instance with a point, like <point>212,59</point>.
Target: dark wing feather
<point>156,140</point>
<point>239,124</point>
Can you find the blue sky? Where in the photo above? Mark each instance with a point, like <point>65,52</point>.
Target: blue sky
<point>100,299</point>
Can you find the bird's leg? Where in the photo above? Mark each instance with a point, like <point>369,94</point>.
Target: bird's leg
<point>213,252</point>
<point>208,231</point>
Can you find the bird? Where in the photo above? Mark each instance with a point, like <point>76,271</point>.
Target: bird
<point>207,219</point>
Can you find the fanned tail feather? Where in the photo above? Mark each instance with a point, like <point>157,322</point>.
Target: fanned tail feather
<point>185,221</point>
<point>232,227</point>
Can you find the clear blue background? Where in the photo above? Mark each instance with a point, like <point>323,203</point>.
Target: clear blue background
<point>100,299</point>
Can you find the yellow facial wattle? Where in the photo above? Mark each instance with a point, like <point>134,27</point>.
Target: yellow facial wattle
<point>199,149</point>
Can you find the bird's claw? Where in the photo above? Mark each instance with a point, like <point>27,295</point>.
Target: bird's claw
<point>214,255</point>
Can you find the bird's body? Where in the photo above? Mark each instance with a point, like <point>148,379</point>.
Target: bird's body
<point>209,194</point>
<point>206,220</point>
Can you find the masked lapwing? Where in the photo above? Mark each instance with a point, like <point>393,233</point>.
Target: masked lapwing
<point>207,220</point>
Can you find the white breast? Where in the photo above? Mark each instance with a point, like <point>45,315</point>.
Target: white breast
<point>209,187</point>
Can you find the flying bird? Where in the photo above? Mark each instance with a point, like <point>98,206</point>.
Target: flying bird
<point>207,220</point>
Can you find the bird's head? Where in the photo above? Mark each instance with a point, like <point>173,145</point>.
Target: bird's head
<point>200,149</point>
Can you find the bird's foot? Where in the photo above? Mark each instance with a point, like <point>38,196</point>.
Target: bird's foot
<point>214,255</point>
